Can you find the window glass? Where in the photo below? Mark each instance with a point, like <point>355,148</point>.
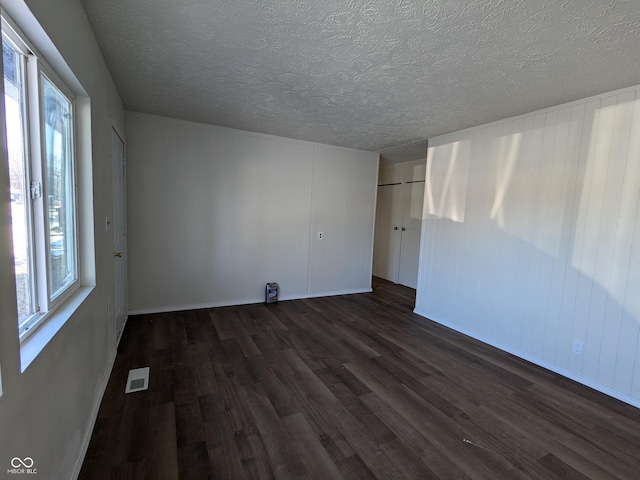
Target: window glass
<point>15,108</point>
<point>40,129</point>
<point>58,149</point>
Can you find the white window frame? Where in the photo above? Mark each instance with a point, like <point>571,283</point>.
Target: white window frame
<point>46,303</point>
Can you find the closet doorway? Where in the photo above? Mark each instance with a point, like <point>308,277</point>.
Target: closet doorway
<point>398,223</point>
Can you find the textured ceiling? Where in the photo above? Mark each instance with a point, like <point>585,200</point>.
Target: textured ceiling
<point>368,74</point>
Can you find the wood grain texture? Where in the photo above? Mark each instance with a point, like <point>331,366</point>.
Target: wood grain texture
<point>352,387</point>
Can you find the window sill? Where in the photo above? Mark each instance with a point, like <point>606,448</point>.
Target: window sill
<point>35,343</point>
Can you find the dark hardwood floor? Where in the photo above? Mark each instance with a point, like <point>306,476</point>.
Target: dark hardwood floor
<point>353,387</point>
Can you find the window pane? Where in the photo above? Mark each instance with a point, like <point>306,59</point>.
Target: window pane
<point>15,108</point>
<point>58,138</point>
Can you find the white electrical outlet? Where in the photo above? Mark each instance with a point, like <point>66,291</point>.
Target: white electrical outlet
<point>577,347</point>
<point>319,235</point>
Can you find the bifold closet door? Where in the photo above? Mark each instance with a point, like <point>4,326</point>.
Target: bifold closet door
<point>410,234</point>
<point>386,250</point>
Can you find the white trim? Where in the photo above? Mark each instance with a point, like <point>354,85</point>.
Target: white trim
<point>37,74</point>
<point>541,363</point>
<point>40,42</point>
<point>31,347</point>
<point>124,325</point>
<point>329,294</point>
<point>375,214</point>
<point>233,303</point>
<point>94,416</point>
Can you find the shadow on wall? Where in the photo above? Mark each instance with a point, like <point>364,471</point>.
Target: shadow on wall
<point>532,239</point>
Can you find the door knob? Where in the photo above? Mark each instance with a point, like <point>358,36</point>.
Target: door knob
<point>117,254</point>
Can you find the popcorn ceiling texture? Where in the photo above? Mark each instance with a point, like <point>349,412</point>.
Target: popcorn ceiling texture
<point>368,74</point>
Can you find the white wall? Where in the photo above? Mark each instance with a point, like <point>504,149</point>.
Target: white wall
<point>411,171</point>
<point>532,238</point>
<point>215,213</point>
<point>46,412</point>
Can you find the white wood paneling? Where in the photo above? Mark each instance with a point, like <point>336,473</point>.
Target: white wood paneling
<point>215,214</point>
<point>269,199</point>
<point>562,186</point>
<point>343,209</point>
<point>625,336</point>
<point>548,250</point>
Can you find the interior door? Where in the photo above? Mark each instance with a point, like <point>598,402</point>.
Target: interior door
<point>410,233</point>
<point>386,247</point>
<point>119,235</point>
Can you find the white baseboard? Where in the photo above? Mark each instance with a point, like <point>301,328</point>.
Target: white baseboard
<point>330,294</point>
<point>536,361</point>
<point>249,301</point>
<point>94,415</point>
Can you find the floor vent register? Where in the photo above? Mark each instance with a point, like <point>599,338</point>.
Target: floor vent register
<point>137,380</point>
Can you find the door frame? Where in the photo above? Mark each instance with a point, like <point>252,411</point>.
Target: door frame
<point>119,189</point>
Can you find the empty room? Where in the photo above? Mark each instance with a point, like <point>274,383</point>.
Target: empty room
<point>286,239</point>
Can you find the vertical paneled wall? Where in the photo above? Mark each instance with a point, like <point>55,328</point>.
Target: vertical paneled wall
<point>531,238</point>
<point>343,209</point>
<point>215,213</point>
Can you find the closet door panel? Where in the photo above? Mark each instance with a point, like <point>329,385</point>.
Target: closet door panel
<point>410,234</point>
<point>387,239</point>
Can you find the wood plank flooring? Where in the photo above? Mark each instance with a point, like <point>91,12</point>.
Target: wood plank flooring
<point>349,387</point>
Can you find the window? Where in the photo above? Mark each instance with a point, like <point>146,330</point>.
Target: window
<point>39,118</point>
